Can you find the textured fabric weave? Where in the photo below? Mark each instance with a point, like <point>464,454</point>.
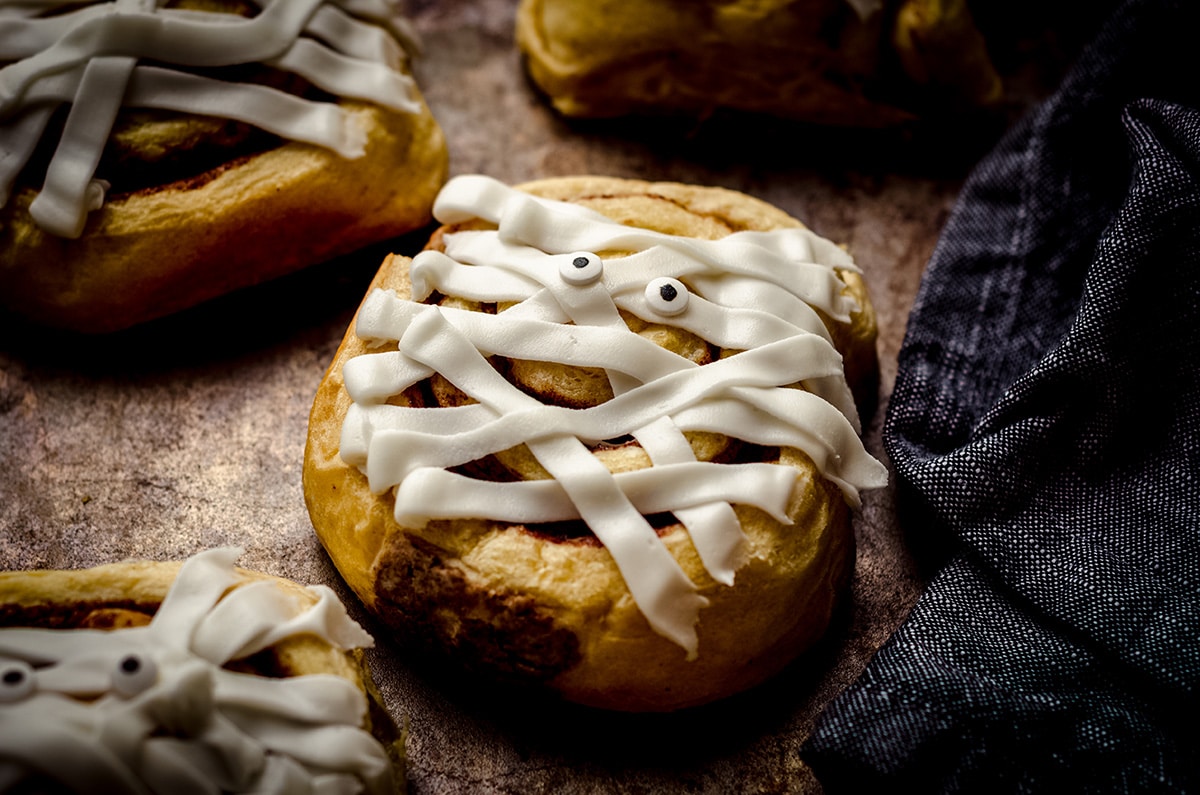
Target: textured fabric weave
<point>1045,435</point>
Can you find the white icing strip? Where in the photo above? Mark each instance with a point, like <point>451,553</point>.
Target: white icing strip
<point>278,112</point>
<point>375,378</point>
<point>319,123</point>
<point>386,13</point>
<point>474,196</point>
<point>716,324</point>
<point>259,615</point>
<point>352,37</point>
<point>433,270</point>
<point>502,273</point>
<point>70,192</point>
<point>348,77</point>
<point>730,327</point>
<point>23,37</point>
<point>522,417</point>
<point>199,585</point>
<point>314,699</point>
<point>433,493</point>
<point>326,749</point>
<point>713,527</point>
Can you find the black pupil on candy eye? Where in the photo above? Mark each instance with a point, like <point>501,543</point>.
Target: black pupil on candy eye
<point>13,677</point>
<point>130,665</point>
<point>580,262</point>
<point>668,292</point>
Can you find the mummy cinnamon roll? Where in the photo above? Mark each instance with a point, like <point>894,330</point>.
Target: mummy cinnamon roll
<point>599,436</point>
<point>200,677</point>
<point>161,153</point>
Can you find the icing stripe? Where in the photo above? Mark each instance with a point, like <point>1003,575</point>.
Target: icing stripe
<point>434,493</point>
<point>70,192</point>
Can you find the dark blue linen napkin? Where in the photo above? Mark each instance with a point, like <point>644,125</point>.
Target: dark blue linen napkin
<point>1045,436</point>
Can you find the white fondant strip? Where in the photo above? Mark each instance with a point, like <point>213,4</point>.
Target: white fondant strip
<point>201,581</point>
<point>283,114</point>
<point>433,493</point>
<point>375,378</point>
<point>23,37</point>
<point>70,192</point>
<point>352,37</point>
<point>713,527</point>
<point>327,749</point>
<point>498,277</point>
<point>348,77</point>
<point>704,319</point>
<point>473,196</point>
<point>319,123</point>
<point>316,698</point>
<point>433,270</point>
<point>40,733</point>
<point>259,615</point>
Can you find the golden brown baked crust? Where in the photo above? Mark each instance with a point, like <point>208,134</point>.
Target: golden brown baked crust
<point>128,594</point>
<point>517,603</point>
<point>815,60</point>
<point>200,206</point>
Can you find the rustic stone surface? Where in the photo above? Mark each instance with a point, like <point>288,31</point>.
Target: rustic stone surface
<point>189,433</point>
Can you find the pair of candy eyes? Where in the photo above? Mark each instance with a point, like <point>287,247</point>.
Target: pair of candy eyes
<point>132,674</point>
<point>665,295</point>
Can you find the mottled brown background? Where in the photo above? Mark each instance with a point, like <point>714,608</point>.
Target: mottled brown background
<point>189,433</point>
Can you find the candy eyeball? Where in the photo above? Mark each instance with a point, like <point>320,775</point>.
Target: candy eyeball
<point>16,681</point>
<point>667,296</point>
<point>580,268</point>
<point>133,673</point>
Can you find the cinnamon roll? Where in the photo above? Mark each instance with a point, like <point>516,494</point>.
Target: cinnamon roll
<point>601,436</point>
<point>181,677</point>
<point>161,154</point>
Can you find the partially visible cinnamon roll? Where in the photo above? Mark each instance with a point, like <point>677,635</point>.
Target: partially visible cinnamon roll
<point>159,155</point>
<point>180,677</point>
<point>853,63</point>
